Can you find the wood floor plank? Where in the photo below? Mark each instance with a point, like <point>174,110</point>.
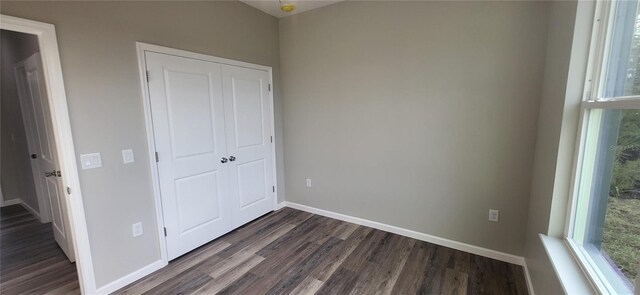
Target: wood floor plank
<point>72,288</point>
<point>345,230</point>
<point>361,255</point>
<point>301,217</point>
<point>308,286</point>
<point>293,238</point>
<point>227,278</point>
<point>339,255</point>
<point>272,271</point>
<point>459,261</point>
<point>282,260</point>
<point>435,271</point>
<point>184,283</point>
<point>325,230</point>
<point>340,282</point>
<point>246,253</point>
<point>389,268</point>
<point>296,275</point>
<point>241,285</point>
<point>516,275</point>
<point>414,270</point>
<point>454,283</point>
<point>31,262</point>
<point>43,282</point>
<point>479,273</point>
<point>31,272</point>
<point>176,267</point>
<point>245,234</point>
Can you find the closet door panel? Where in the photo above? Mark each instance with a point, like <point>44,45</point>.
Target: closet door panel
<point>189,130</point>
<point>248,128</point>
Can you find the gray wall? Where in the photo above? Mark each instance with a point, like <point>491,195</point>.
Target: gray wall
<point>551,108</point>
<point>99,64</point>
<point>421,115</point>
<point>568,41</point>
<point>15,169</point>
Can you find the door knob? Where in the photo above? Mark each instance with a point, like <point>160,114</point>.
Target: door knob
<point>53,173</point>
<point>232,158</point>
<point>223,160</point>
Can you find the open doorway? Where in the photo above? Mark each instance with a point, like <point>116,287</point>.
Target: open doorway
<point>36,247</point>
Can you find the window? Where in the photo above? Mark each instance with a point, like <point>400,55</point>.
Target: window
<point>604,231</point>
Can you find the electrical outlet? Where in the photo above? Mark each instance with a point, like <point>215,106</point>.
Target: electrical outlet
<point>136,229</point>
<point>308,182</point>
<point>127,156</point>
<point>494,215</point>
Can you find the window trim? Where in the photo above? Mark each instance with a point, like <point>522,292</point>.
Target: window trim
<point>593,68</point>
<point>593,88</point>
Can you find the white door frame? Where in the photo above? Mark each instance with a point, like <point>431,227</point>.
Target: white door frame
<point>57,97</point>
<point>142,66</point>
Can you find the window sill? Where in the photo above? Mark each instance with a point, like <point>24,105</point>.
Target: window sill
<point>571,276</point>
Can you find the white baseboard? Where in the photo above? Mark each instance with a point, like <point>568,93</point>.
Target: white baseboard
<point>31,210</point>
<point>130,278</point>
<point>281,205</point>
<point>510,258</point>
<point>10,202</point>
<point>527,278</point>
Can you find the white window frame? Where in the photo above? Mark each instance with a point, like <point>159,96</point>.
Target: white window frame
<point>595,75</point>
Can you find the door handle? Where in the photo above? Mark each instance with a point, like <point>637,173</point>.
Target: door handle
<point>232,158</point>
<point>223,160</point>
<point>53,173</point>
<point>34,156</point>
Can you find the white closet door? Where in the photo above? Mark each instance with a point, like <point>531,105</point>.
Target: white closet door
<point>188,122</point>
<point>248,125</point>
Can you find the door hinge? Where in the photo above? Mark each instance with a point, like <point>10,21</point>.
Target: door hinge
<point>157,158</point>
<point>273,188</point>
<point>269,86</point>
<point>68,190</point>
<point>272,138</point>
<point>165,231</point>
<point>147,76</point>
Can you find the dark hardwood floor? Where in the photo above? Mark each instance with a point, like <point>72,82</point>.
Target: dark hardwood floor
<point>30,260</point>
<point>294,252</point>
<point>284,252</point>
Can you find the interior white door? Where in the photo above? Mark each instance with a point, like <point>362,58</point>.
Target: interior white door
<point>188,123</point>
<point>248,114</point>
<point>33,98</point>
<point>33,142</point>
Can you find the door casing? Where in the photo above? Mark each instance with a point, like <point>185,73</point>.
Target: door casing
<point>61,124</point>
<point>145,47</point>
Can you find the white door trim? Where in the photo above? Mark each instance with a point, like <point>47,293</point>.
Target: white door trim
<point>142,67</point>
<point>47,40</point>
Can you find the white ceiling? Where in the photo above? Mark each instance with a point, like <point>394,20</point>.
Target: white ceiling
<point>273,6</point>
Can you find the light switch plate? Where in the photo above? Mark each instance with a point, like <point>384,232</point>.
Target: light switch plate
<point>136,229</point>
<point>127,156</point>
<point>90,161</point>
<point>494,215</point>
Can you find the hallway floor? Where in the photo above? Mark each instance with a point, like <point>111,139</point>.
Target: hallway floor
<point>31,261</point>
